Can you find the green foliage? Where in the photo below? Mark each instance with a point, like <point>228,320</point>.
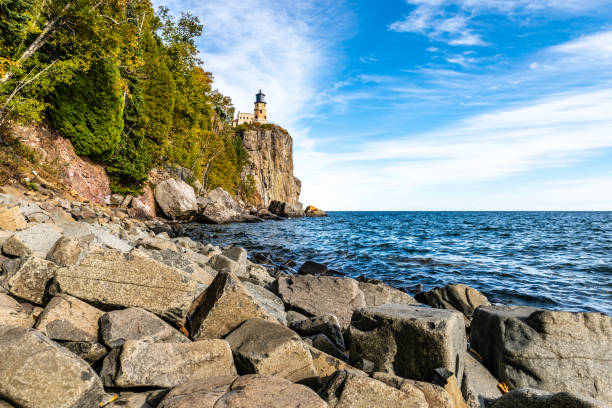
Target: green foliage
<point>90,110</point>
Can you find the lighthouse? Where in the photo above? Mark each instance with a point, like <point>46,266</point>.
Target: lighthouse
<point>261,116</point>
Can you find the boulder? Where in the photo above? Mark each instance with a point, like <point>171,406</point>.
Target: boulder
<point>66,251</point>
<point>312,211</point>
<point>222,263</point>
<point>326,324</point>
<point>259,274</point>
<point>454,297</point>
<point>294,317</point>
<point>377,294</point>
<point>348,390</point>
<point>530,398</point>
<point>90,352</point>
<point>11,219</point>
<point>176,199</point>
<point>546,350</point>
<point>225,305</point>
<point>326,365</point>
<point>283,209</point>
<point>135,323</point>
<point>202,274</point>
<point>409,341</point>
<point>323,343</point>
<point>272,304</point>
<point>436,396</point>
<point>322,295</point>
<point>448,381</point>
<point>313,268</point>
<point>96,235</point>
<point>159,244</point>
<point>268,348</point>
<point>31,278</point>
<point>143,364</point>
<point>13,314</point>
<point>37,372</point>
<point>245,391</point>
<point>36,240</point>
<point>478,384</point>
<point>69,319</point>
<point>111,279</point>
<point>220,208</point>
<point>143,206</point>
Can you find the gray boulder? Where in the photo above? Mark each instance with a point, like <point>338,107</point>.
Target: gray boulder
<point>435,395</point>
<point>283,209</point>
<point>29,281</point>
<point>272,304</point>
<point>143,364</point>
<point>530,398</point>
<point>409,341</point>
<point>66,251</point>
<point>454,297</point>
<point>176,199</point>
<point>36,240</point>
<point>69,319</point>
<point>323,343</point>
<point>37,372</point>
<point>13,314</point>
<point>479,385</point>
<point>222,263</point>
<point>377,294</point>
<point>546,350</point>
<point>136,323</point>
<point>90,352</point>
<point>326,324</point>
<point>220,208</point>
<point>202,274</point>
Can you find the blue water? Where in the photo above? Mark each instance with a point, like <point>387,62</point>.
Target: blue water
<point>556,260</point>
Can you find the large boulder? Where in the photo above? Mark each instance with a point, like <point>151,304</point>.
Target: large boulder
<point>37,372</point>
<point>13,314</point>
<point>479,385</point>
<point>69,319</point>
<point>455,297</point>
<point>272,304</point>
<point>222,263</point>
<point>326,324</point>
<point>220,208</point>
<point>36,240</point>
<point>530,398</point>
<point>435,395</point>
<point>136,323</point>
<point>377,294</point>
<point>326,365</point>
<point>176,199</point>
<point>409,341</point>
<point>322,295</point>
<point>30,279</point>
<point>263,347</point>
<point>312,211</point>
<point>144,364</point>
<point>178,260</point>
<point>225,305</point>
<point>245,391</point>
<point>546,350</point>
<point>283,209</point>
<point>111,279</point>
<point>11,219</point>
<point>323,343</point>
<point>66,251</point>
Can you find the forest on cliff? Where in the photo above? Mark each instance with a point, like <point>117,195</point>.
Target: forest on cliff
<point>124,83</point>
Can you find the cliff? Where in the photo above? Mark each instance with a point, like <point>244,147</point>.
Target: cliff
<point>271,151</point>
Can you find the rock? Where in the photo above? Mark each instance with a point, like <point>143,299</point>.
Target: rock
<point>69,319</point>
<point>264,347</point>
<point>143,364</point>
<point>478,384</point>
<point>157,243</point>
<point>37,372</point>
<point>313,268</point>
<point>283,209</point>
<point>225,305</point>
<point>326,324</point>
<point>312,211</point>
<point>245,391</point>
<point>326,365</point>
<point>143,206</point>
<point>96,235</point>
<point>116,199</point>
<point>294,317</point>
<point>90,352</point>
<point>30,280</point>
<point>126,202</point>
<point>271,303</point>
<point>323,343</point>
<point>348,390</point>
<point>448,381</point>
<point>4,235</point>
<point>454,297</point>
<point>176,199</point>
<point>202,274</point>
<point>435,396</point>
<point>530,398</point>
<point>110,279</point>
<point>221,263</point>
<point>36,240</point>
<point>66,251</point>
<point>13,314</point>
<point>409,341</point>
<point>377,294</point>
<point>11,219</point>
<point>547,350</point>
<point>4,404</point>
<point>221,209</point>
<point>322,295</point>
<point>136,324</point>
<point>237,254</point>
<point>259,274</point>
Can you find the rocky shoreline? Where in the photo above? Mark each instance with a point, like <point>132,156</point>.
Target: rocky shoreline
<point>111,307</point>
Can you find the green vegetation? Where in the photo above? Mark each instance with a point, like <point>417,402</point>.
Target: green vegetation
<point>124,84</point>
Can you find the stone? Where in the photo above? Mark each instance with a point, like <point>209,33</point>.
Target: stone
<point>455,297</point>
<point>157,243</point>
<point>530,398</point>
<point>478,384</point>
<point>259,274</point>
<point>11,219</point>
<point>322,295</point>
<point>294,317</point>
<point>312,211</point>
<point>4,235</point>
<point>143,364</point>
<point>313,268</point>
<point>37,372</point>
<point>135,323</point>
<point>377,294</point>
<point>116,199</point>
<point>96,235</point>
<point>264,347</point>
<point>36,240</point>
<point>66,251</point>
<point>448,381</point>
<point>69,319</point>
<point>348,390</point>
<point>90,352</point>
<point>221,263</point>
<point>283,209</point>
<point>272,304</point>
<point>202,274</point>
<point>323,343</point>
<point>220,208</point>
<point>244,391</point>
<point>547,350</point>
<point>325,324</point>
<point>143,206</point>
<point>236,254</point>
<point>111,279</point>
<point>435,395</point>
<point>409,341</point>
<point>13,314</point>
<point>4,404</point>
<point>30,280</point>
<point>326,365</point>
<point>225,305</point>
<point>176,199</point>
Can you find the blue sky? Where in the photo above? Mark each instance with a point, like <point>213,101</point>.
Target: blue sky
<point>427,104</point>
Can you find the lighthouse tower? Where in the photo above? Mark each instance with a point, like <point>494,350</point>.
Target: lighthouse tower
<point>261,116</point>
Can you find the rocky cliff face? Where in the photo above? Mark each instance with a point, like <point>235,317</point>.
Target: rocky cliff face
<point>271,152</point>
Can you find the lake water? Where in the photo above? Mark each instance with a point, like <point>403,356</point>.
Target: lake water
<point>556,260</point>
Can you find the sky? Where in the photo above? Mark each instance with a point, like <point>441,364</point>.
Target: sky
<point>426,104</point>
